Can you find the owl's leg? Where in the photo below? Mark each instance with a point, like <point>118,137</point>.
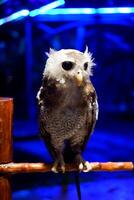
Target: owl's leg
<point>58,163</point>
<point>58,157</point>
<point>83,165</point>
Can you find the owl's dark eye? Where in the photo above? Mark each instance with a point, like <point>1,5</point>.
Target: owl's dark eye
<point>85,66</point>
<point>67,65</point>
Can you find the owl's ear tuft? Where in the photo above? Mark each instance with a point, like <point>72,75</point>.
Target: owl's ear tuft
<point>51,51</point>
<point>87,53</point>
<point>86,50</point>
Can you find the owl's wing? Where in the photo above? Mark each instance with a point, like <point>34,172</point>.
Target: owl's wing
<point>41,106</point>
<point>92,112</point>
<point>44,97</point>
<point>42,93</point>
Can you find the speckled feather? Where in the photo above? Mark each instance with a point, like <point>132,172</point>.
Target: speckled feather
<point>66,113</point>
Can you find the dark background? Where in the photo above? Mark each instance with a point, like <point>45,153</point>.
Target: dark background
<point>110,37</point>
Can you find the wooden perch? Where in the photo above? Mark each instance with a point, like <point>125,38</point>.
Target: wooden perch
<point>42,167</point>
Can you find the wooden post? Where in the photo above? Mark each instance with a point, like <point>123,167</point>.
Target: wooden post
<point>6,114</point>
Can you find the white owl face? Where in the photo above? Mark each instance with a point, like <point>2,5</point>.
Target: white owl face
<point>68,63</point>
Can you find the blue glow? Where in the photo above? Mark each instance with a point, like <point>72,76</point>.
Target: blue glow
<point>24,13</point>
<point>88,11</point>
<point>16,15</point>
<point>125,10</point>
<point>107,10</point>
<point>49,10</point>
<point>69,11</point>
<point>115,10</point>
<point>21,13</point>
<point>2,21</point>
<point>45,8</point>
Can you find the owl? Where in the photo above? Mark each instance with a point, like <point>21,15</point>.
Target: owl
<point>68,107</point>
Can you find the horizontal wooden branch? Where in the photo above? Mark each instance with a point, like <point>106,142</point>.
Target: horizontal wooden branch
<point>42,167</point>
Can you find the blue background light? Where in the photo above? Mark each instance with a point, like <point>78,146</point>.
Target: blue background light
<point>33,13</point>
<point>14,16</point>
<point>45,8</point>
<point>49,10</point>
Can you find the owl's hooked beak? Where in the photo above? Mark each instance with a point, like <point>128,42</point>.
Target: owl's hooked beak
<point>79,77</point>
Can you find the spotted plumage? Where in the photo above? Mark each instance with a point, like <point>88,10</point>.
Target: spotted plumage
<point>68,106</point>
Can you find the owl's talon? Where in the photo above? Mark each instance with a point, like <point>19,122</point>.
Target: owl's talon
<point>54,170</point>
<point>63,168</point>
<point>87,167</point>
<point>57,166</point>
<point>81,166</point>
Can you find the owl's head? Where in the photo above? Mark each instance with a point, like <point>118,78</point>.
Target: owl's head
<point>69,63</point>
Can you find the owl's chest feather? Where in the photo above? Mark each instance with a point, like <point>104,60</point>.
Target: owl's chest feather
<point>67,112</point>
